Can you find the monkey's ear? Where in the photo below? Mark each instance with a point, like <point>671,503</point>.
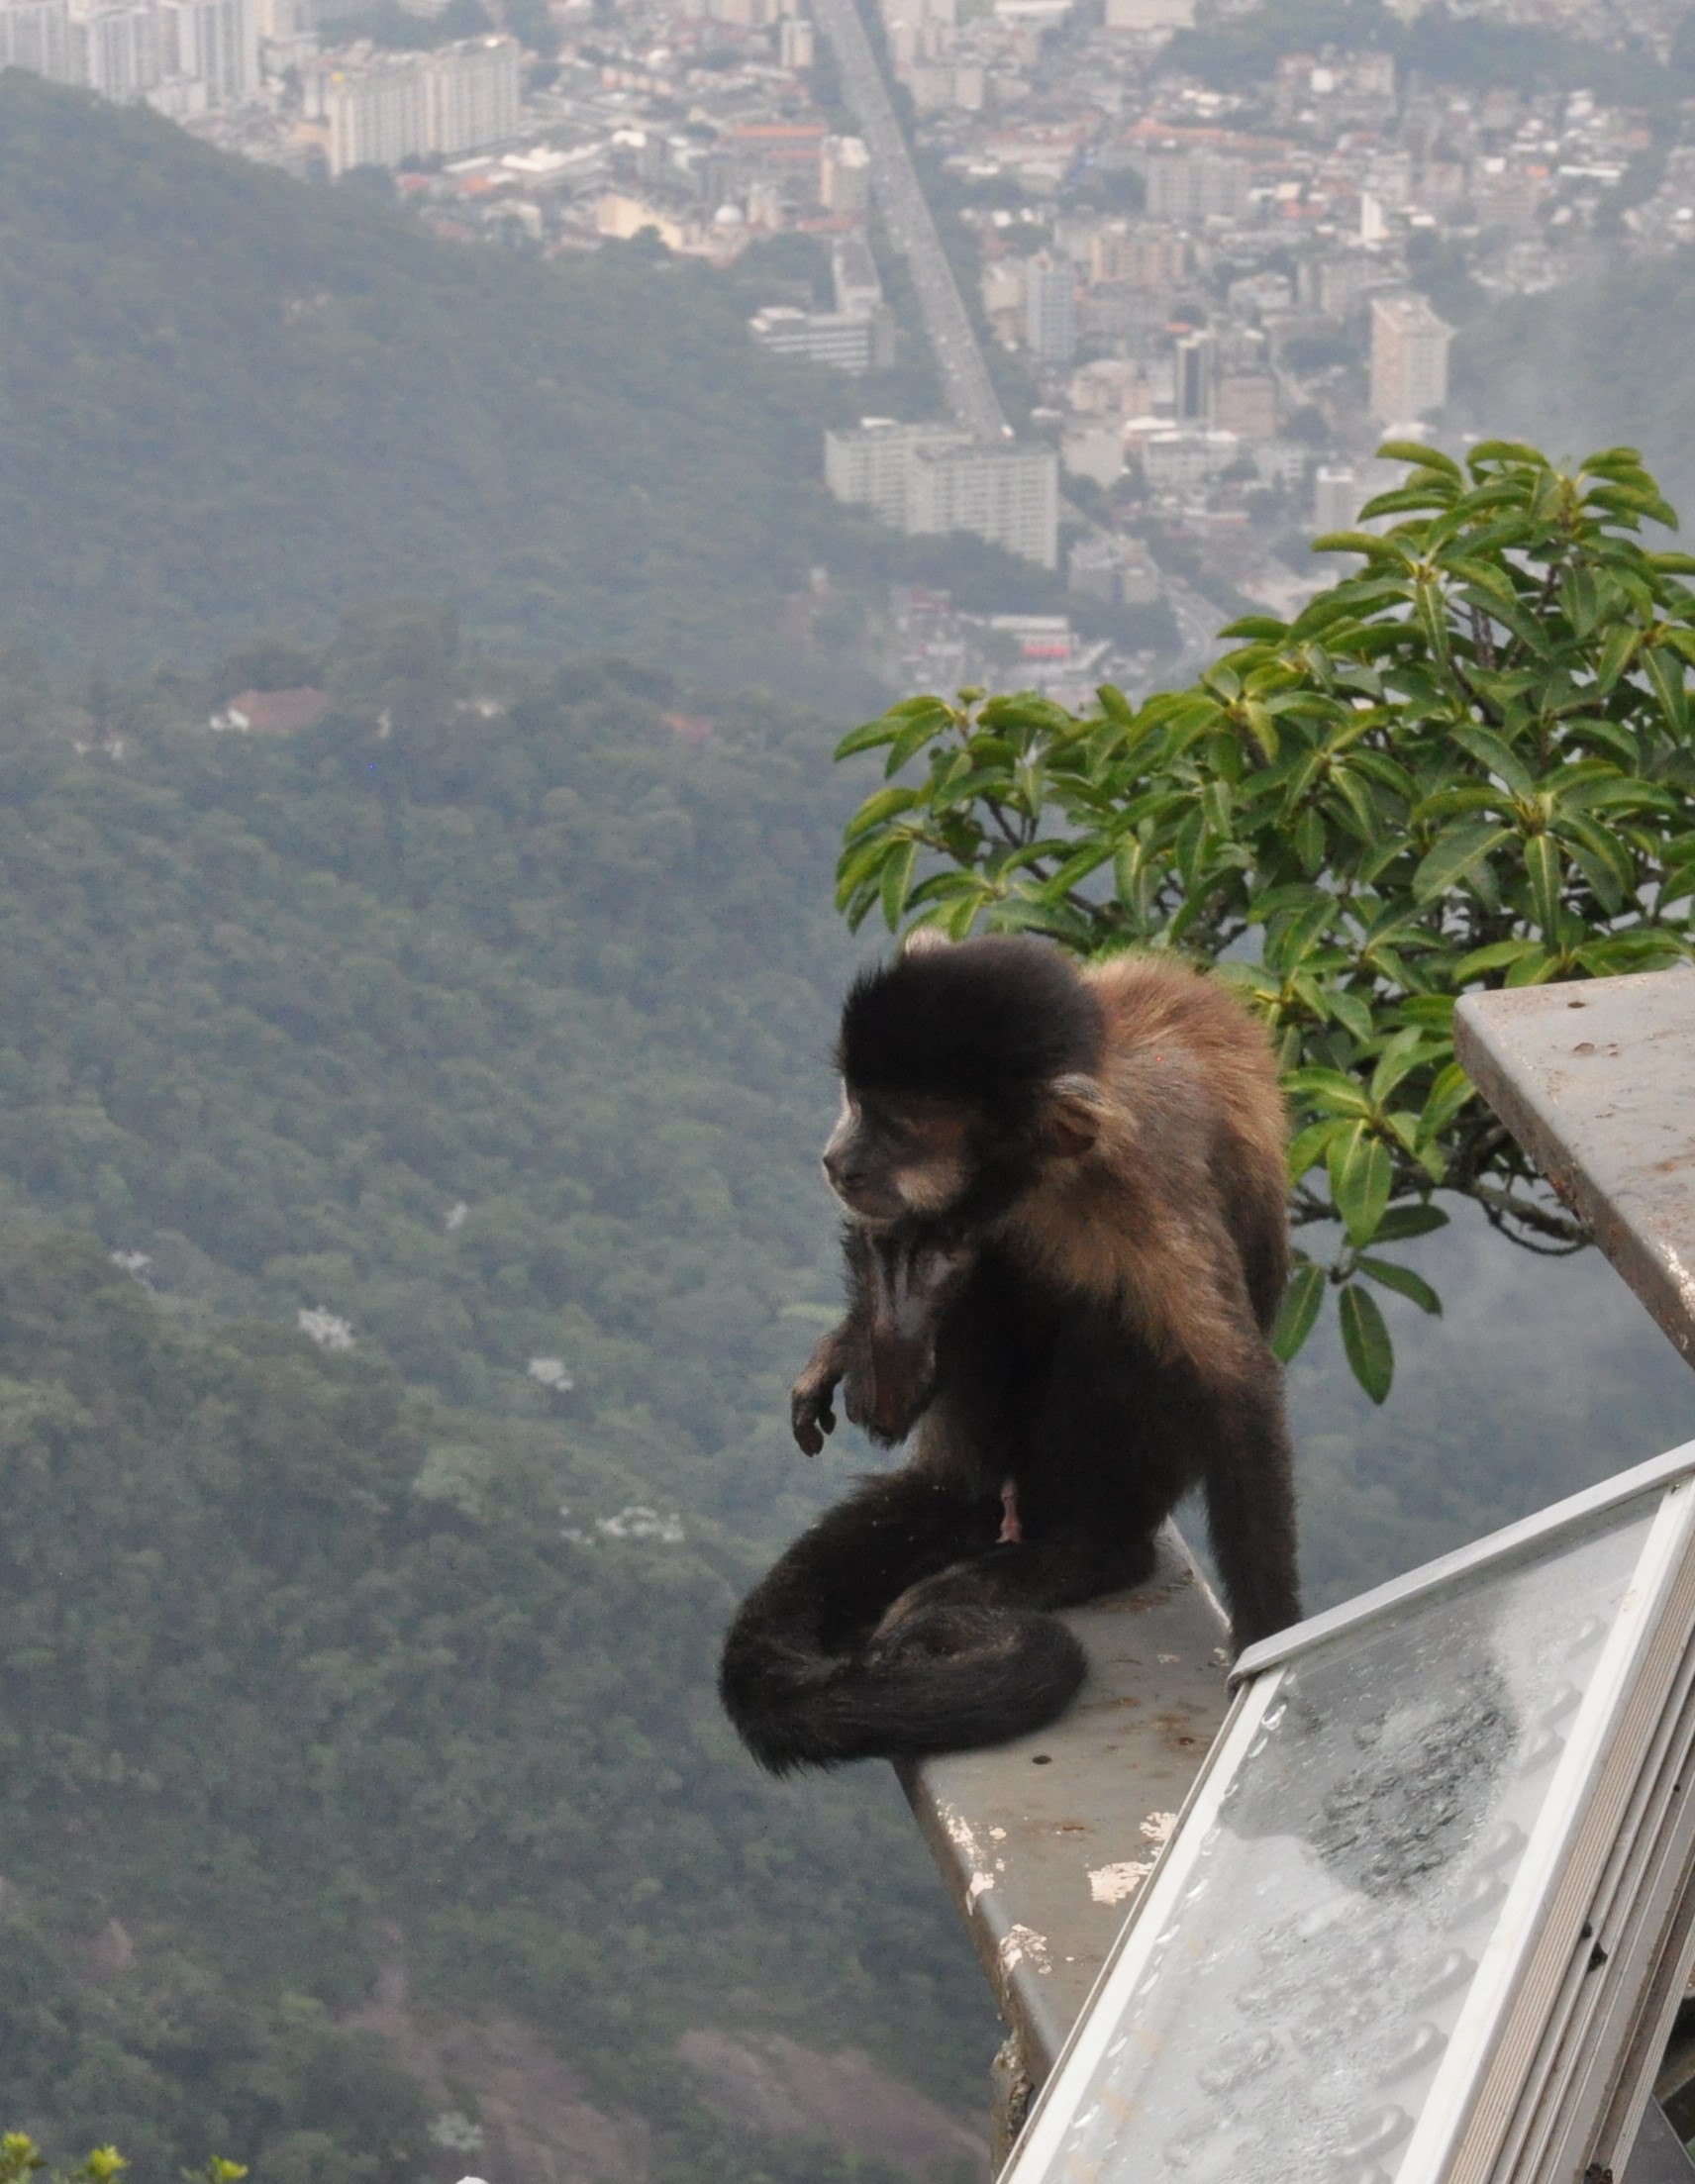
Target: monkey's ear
<point>1073,1115</point>
<point>924,940</point>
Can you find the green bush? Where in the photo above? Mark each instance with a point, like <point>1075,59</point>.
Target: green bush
<point>1470,764</point>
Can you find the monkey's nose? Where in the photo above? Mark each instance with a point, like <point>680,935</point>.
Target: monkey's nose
<point>844,1172</point>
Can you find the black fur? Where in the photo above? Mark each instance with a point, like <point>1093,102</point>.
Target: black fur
<point>810,1681</point>
<point>987,1024</point>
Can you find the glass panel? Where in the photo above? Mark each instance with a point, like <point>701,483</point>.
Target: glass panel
<point>1291,2016</point>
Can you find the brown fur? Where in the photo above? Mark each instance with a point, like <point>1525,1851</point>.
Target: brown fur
<point>1187,1098</point>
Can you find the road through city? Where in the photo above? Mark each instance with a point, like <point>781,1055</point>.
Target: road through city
<point>965,382</point>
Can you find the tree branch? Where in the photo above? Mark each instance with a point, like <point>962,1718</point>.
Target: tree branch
<point>1566,1231</point>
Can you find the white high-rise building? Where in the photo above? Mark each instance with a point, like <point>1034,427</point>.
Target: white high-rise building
<point>930,478</point>
<point>215,42</point>
<point>1009,496</point>
<point>840,339</point>
<point>473,93</point>
<point>115,50</point>
<point>377,114</point>
<point>1150,15</point>
<point>1050,309</point>
<point>868,469</point>
<point>1194,186</point>
<point>1338,496</point>
<point>844,174</point>
<point>35,35</point>
<point>1409,359</point>
<point>405,106</point>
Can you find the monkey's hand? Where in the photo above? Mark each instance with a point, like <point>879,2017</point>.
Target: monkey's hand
<point>812,1412</point>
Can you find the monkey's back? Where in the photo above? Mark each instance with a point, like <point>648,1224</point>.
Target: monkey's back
<point>1180,1039</point>
<point>1188,1169</point>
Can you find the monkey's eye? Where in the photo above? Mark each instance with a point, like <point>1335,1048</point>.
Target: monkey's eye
<point>899,1134</point>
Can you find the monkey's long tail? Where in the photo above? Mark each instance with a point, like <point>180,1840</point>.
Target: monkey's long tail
<point>949,1679</point>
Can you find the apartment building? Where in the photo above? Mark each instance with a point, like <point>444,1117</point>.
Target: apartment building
<point>1409,359</point>
<point>392,107</point>
<point>1009,496</point>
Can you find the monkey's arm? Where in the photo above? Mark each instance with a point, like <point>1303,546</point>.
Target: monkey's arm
<point>883,1354</point>
<point>812,1413</point>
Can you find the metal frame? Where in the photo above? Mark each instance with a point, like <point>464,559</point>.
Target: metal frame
<point>1495,1547</point>
<point>1547,2066</point>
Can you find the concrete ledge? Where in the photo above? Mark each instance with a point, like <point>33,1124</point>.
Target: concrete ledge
<point>1043,1842</point>
<point>1596,1081</point>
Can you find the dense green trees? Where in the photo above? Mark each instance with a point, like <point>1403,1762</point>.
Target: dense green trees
<point>302,1676</point>
<point>480,1017</point>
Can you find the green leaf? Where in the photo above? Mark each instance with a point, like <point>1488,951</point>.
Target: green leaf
<point>1546,876</point>
<point>1399,1058</point>
<point>876,809</point>
<point>1351,1012</point>
<point>1493,958</point>
<point>1424,458</point>
<point>1366,1338</point>
<point>1448,1095</point>
<point>1533,970</point>
<point>868,736</point>
<point>1299,1311</point>
<point>1361,1172</point>
<point>1330,1088</point>
<point>1353,542</point>
<point>897,883</point>
<point>913,738</point>
<point>1402,1222</point>
<point>1309,1146</point>
<point>1498,756</point>
<point>1455,853</point>
<point>1405,1282</point>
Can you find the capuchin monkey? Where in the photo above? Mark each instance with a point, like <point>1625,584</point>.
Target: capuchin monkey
<point>1066,1244</point>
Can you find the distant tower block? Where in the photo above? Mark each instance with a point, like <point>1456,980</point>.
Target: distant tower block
<point>1050,309</point>
<point>844,174</point>
<point>1192,367</point>
<point>1337,495</point>
<point>1408,359</point>
<point>1150,15</point>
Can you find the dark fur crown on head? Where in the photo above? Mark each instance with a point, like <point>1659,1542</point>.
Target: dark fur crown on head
<point>986,1022</point>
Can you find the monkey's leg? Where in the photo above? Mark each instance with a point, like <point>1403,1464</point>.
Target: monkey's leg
<point>1249,1479</point>
<point>1061,1570</point>
<point>793,1676</point>
<point>827,1591</point>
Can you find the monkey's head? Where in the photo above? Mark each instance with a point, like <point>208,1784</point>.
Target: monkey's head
<point>964,1071</point>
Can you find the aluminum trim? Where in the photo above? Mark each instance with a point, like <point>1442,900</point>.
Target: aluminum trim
<point>1444,2136</point>
<point>1606,2047</point>
<point>1498,1546</point>
<point>1033,2155</point>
